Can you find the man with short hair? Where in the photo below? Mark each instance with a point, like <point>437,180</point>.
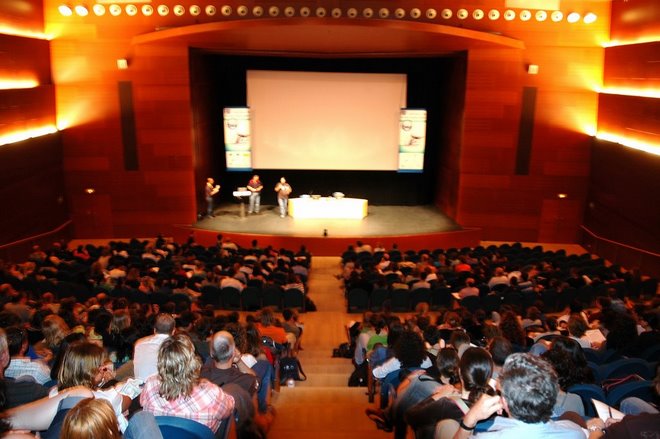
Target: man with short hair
<point>145,355</point>
<point>20,364</point>
<point>16,392</point>
<point>529,388</point>
<point>255,186</point>
<point>226,365</point>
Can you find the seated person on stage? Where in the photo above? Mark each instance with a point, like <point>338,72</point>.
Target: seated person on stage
<point>226,365</point>
<point>177,389</point>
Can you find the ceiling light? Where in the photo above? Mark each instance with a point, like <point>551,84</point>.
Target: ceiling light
<point>82,11</point>
<point>557,16</point>
<point>493,14</point>
<point>573,17</point>
<point>590,17</point>
<point>65,10</point>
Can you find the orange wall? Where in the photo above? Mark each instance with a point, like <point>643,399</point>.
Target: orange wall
<point>483,190</point>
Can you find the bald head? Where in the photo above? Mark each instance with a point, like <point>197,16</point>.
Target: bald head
<point>222,347</point>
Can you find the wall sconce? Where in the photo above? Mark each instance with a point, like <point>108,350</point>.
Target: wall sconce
<point>90,190</point>
<point>65,10</point>
<point>562,195</point>
<point>122,63</point>
<point>533,69</point>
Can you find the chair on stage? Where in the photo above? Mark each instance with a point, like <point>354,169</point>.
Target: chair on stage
<point>231,298</point>
<point>357,300</point>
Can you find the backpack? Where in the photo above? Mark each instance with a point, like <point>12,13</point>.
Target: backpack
<point>343,351</point>
<point>290,368</point>
<point>359,376</point>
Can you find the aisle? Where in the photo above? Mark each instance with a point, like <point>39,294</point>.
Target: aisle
<point>324,407</point>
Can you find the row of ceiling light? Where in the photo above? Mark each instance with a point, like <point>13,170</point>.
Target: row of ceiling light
<point>290,11</point>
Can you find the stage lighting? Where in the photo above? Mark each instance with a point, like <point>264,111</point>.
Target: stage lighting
<point>533,69</point>
<point>147,10</point>
<point>273,11</point>
<point>131,10</point>
<point>81,10</point>
<point>562,195</point>
<point>573,17</point>
<point>289,11</point>
<point>415,13</point>
<point>446,14</point>
<point>90,190</point>
<point>368,12</point>
<point>122,63</point>
<point>210,10</point>
<point>352,13</point>
<point>400,13</point>
<point>478,14</point>
<point>115,10</point>
<point>195,10</point>
<point>525,15</point>
<point>179,10</point>
<point>65,10</point>
<point>590,17</point>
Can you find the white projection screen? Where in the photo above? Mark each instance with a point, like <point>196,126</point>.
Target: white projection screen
<point>325,121</point>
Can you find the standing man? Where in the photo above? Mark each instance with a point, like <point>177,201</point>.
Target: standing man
<point>209,192</point>
<point>255,187</point>
<point>283,190</point>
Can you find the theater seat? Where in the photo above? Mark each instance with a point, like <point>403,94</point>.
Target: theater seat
<point>173,427</point>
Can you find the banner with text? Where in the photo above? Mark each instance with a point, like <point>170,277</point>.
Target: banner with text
<point>412,139</point>
<point>238,149</point>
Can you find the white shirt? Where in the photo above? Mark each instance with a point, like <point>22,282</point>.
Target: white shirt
<point>145,356</point>
<point>393,364</point>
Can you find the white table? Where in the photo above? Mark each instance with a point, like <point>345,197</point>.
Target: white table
<point>327,207</point>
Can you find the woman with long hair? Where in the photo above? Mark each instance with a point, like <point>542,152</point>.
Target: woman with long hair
<point>177,390</point>
<point>91,418</point>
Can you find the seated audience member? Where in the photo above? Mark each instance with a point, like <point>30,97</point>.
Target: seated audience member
<point>577,328</point>
<point>146,349</point>
<point>291,325</point>
<point>452,401</point>
<point>409,352</point>
<point>500,348</point>
<point>54,329</point>
<point>469,289</point>
<point>567,371</point>
<point>177,390</point>
<point>529,410</point>
<point>499,278</point>
<point>226,365</point>
<point>16,392</point>
<point>512,330</point>
<point>20,364</point>
<point>266,327</point>
<point>91,418</point>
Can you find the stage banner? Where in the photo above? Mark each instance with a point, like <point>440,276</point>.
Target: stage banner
<point>238,144</point>
<point>412,139</point>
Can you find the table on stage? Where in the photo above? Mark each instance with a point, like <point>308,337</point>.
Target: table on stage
<point>327,208</point>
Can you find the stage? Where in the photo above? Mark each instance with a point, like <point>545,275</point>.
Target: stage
<point>410,227</point>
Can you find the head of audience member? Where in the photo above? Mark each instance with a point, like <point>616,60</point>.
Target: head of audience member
<point>395,329</point>
<point>476,370</point>
<point>54,329</point>
<point>622,332</point>
<point>512,329</point>
<point>460,340</point>
<point>74,337</point>
<point>91,418</point>
<point>447,364</point>
<point>4,353</point>
<point>16,341</point>
<point>164,324</point>
<point>529,388</point>
<point>178,367</point>
<point>267,316</point>
<point>409,349</point>
<point>82,365</point>
<point>500,348</point>
<point>222,349</point>
<point>577,326</point>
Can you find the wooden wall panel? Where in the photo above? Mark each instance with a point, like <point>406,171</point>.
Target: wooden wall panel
<point>632,20</point>
<point>623,190</point>
<point>22,15</point>
<point>640,121</point>
<point>635,66</point>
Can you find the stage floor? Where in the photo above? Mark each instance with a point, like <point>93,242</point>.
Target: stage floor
<point>381,221</point>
